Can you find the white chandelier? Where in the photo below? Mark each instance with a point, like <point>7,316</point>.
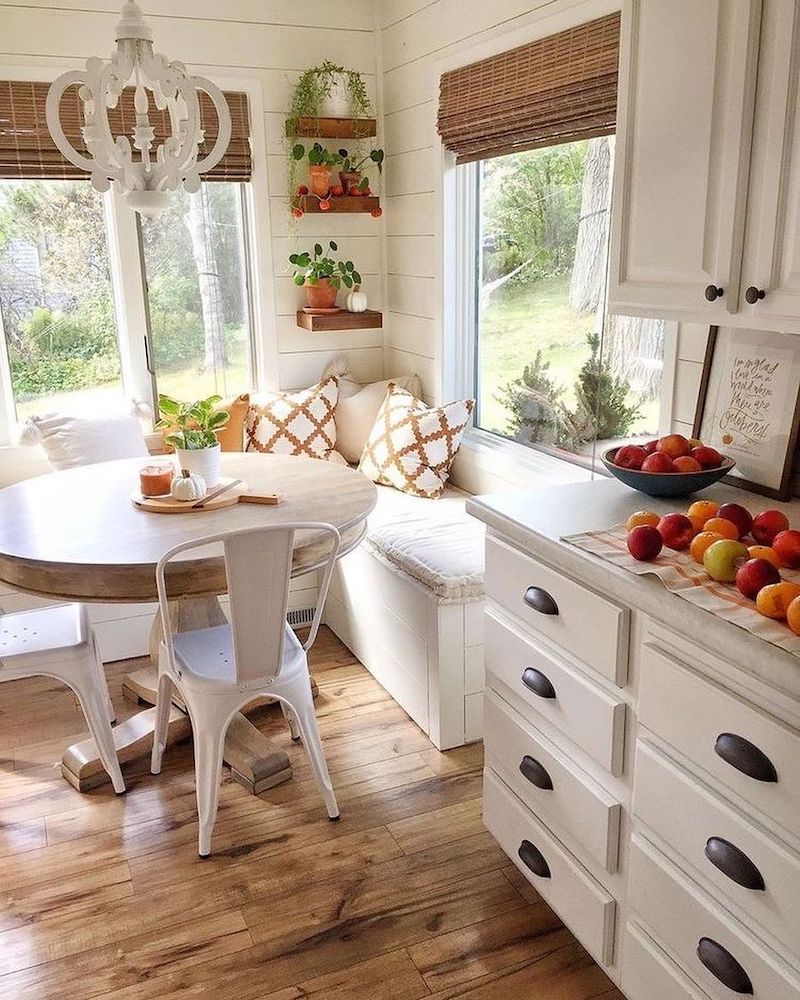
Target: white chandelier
<point>144,174</point>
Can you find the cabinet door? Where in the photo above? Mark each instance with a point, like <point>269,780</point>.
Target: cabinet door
<point>687,87</point>
<point>772,241</point>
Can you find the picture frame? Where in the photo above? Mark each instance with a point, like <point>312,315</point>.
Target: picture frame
<point>748,406</point>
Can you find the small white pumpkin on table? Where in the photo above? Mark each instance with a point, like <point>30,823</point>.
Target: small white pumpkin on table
<point>188,486</point>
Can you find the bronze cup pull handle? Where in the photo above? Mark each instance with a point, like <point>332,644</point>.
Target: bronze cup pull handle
<point>723,966</point>
<point>533,859</point>
<point>540,600</point>
<point>733,862</point>
<point>534,680</point>
<point>745,757</point>
<point>535,772</point>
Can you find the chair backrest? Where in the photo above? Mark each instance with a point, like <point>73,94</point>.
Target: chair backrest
<point>258,566</point>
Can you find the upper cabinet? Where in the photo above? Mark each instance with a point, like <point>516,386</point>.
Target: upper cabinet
<point>706,214</point>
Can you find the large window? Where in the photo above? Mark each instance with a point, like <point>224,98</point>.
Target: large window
<point>551,369</point>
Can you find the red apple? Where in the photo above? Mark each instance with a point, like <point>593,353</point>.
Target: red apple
<point>739,515</point>
<point>658,462</point>
<point>708,457</point>
<point>650,446</point>
<point>767,525</point>
<point>723,558</point>
<point>754,574</point>
<point>787,545</point>
<point>685,463</point>
<point>674,445</point>
<point>630,456</point>
<point>676,530</point>
<point>644,542</point>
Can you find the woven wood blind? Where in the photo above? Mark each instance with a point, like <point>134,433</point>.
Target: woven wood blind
<point>28,151</point>
<point>556,89</point>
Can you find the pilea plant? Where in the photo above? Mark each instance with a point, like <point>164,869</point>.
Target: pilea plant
<point>316,266</point>
<point>353,168</point>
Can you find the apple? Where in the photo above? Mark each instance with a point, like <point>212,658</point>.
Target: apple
<point>773,601</point>
<point>644,542</point>
<point>695,443</point>
<point>658,462</point>
<point>674,445</point>
<point>685,463</point>
<point>708,457</point>
<point>676,530</point>
<point>764,552</point>
<point>767,525</point>
<point>642,517</point>
<point>630,456</point>
<point>722,559</point>
<point>787,545</point>
<point>701,542</point>
<point>754,575</point>
<point>650,446</point>
<point>740,516</point>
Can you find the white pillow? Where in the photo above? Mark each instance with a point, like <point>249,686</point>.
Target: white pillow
<point>70,440</point>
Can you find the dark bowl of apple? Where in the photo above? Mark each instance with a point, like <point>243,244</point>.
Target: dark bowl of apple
<point>671,483</point>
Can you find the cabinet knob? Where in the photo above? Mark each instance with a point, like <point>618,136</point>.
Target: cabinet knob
<point>753,294</point>
<point>533,859</point>
<point>712,292</point>
<point>723,966</point>
<point>745,757</point>
<point>734,863</point>
<point>536,773</point>
<point>534,680</point>
<point>540,601</point>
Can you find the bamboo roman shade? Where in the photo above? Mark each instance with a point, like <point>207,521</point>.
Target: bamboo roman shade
<point>28,151</point>
<point>556,89</point>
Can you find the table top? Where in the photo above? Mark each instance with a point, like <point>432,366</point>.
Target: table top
<point>75,535</point>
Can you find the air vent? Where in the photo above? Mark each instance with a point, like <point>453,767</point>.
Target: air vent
<point>300,617</point>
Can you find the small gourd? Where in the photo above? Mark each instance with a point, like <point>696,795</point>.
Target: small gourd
<point>188,486</point>
<point>356,301</point>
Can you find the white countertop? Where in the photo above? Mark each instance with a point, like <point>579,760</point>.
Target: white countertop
<point>537,520</point>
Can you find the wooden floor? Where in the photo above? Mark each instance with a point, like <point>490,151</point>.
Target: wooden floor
<point>407,896</point>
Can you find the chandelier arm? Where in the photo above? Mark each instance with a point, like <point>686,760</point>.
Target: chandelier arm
<point>53,117</point>
<point>224,118</point>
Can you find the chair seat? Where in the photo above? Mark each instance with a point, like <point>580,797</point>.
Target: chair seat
<point>46,630</point>
<point>208,653</point>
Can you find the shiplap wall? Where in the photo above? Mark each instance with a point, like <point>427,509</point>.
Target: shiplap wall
<point>270,41</point>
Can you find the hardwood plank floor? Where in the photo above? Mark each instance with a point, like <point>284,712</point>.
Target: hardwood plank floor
<point>103,896</point>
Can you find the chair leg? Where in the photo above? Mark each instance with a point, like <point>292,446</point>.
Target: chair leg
<point>208,732</point>
<point>93,695</point>
<point>303,708</point>
<point>163,706</point>
<point>291,719</point>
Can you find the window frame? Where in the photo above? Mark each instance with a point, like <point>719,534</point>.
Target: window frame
<point>127,265</point>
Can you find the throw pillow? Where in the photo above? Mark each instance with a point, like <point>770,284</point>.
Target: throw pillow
<point>70,441</point>
<point>231,437</point>
<point>412,445</point>
<point>294,423</point>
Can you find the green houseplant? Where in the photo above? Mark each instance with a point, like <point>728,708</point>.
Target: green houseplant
<point>353,168</point>
<point>192,433</point>
<point>321,162</point>
<point>322,275</point>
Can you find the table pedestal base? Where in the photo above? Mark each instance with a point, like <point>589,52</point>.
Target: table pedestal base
<point>254,762</point>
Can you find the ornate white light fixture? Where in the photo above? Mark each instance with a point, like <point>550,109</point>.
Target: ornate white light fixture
<point>144,173</point>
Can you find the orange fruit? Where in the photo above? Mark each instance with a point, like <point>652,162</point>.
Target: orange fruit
<point>642,517</point>
<point>773,600</point>
<point>765,552</point>
<point>793,615</point>
<point>722,526</point>
<point>701,511</point>
<point>699,544</point>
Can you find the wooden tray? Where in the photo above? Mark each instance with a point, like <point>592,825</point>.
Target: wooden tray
<point>166,505</point>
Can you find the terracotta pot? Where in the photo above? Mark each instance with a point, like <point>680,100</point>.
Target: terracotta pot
<point>321,295</point>
<point>320,180</point>
<point>349,179</point>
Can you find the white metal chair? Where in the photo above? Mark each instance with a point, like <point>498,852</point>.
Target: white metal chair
<point>219,669</point>
<point>58,642</point>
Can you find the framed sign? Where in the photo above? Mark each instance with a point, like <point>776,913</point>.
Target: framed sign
<point>749,406</point>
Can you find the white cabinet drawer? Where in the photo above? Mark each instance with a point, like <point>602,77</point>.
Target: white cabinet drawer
<point>647,972</point>
<point>581,902</point>
<point>549,783</point>
<point>703,817</point>
<point>582,622</point>
<point>702,721</point>
<point>590,717</point>
<point>684,919</point>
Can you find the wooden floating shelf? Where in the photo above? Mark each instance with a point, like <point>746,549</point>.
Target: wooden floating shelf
<point>344,203</point>
<point>334,128</point>
<point>370,319</point>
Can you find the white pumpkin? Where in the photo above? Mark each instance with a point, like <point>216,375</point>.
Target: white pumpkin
<point>188,486</point>
<point>356,301</point>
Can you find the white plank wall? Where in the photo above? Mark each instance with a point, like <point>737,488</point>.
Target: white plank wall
<point>271,42</point>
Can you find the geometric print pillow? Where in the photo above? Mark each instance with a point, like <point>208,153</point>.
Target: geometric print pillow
<point>412,445</point>
<point>294,423</point>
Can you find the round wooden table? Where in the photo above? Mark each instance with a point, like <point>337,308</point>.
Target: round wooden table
<point>76,536</point>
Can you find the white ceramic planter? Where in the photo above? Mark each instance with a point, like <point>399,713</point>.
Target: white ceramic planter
<point>336,104</point>
<point>205,462</point>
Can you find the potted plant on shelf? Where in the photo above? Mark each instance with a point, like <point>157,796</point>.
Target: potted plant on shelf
<point>322,276</point>
<point>352,176</point>
<point>193,434</point>
<point>321,162</point>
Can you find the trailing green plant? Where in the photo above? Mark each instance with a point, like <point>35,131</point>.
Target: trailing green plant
<point>316,266</point>
<point>602,397</point>
<point>197,422</point>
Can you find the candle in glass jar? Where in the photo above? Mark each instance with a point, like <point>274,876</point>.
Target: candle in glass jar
<point>155,480</point>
